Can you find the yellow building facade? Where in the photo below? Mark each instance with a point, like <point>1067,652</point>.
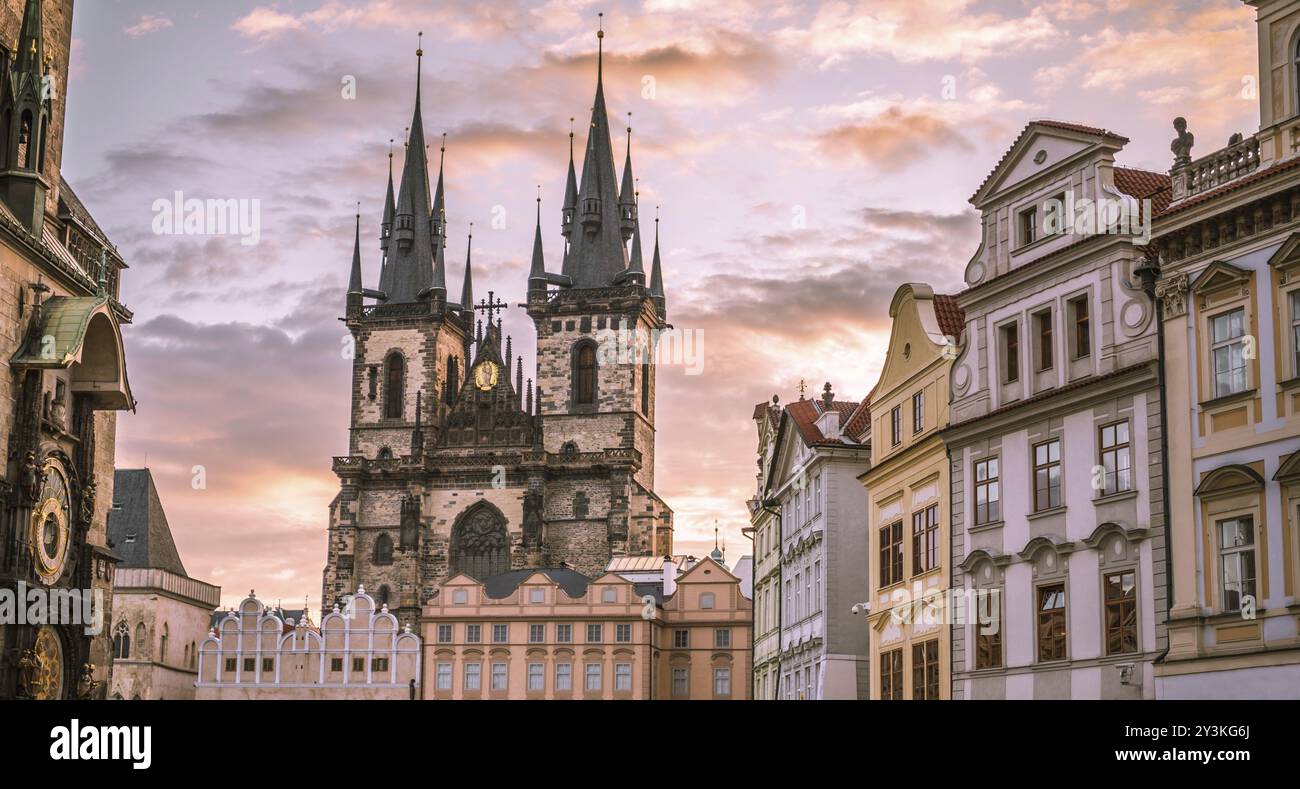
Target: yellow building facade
<point>907,488</point>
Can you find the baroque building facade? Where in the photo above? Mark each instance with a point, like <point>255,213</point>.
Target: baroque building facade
<point>1228,246</point>
<point>816,509</point>
<point>1054,436</point>
<point>455,464</point>
<point>60,332</point>
<point>160,613</point>
<point>554,633</point>
<point>908,499</point>
<point>765,531</point>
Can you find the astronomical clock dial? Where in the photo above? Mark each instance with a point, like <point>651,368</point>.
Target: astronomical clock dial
<point>50,523</point>
<point>47,675</point>
<point>485,375</point>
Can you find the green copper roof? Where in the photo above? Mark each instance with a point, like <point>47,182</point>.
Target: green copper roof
<point>65,320</point>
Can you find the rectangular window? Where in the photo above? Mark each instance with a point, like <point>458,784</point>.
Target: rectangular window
<point>444,676</point>
<point>682,638</point>
<point>988,492</point>
<point>925,670</point>
<point>722,638</point>
<point>722,682</point>
<point>645,388</point>
<point>1227,335</point>
<point>1295,333</point>
<point>807,592</point>
<point>798,596</point>
<point>250,664</point>
<point>1047,475</point>
<point>268,664</point>
<point>1116,459</point>
<point>1043,327</point>
<point>623,634</point>
<point>594,634</point>
<point>918,412</point>
<point>609,595</point>
<point>817,585</point>
<point>358,665</point>
<point>564,634</point>
<point>817,493</point>
<point>1028,226</point>
<point>1051,622</point>
<point>1121,612</point>
<point>444,634</point>
<point>499,676</point>
<point>500,634</point>
<point>1237,559</point>
<point>891,554</point>
<point>473,634</point>
<point>1010,353</point>
<point>1079,318</point>
<point>623,676</point>
<point>593,676</point>
<point>891,675</point>
<point>536,676</point>
<point>336,664</point>
<point>896,426</point>
<point>536,634</point>
<point>378,665</point>
<point>925,540</point>
<point>988,646</point>
<point>472,672</point>
<point>537,595</point>
<point>681,683</point>
<point>564,676</point>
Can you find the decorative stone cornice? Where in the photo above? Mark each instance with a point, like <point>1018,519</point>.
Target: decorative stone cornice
<point>1172,292</point>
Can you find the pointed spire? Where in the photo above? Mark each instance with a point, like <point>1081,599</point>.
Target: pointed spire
<point>439,214</point>
<point>537,272</point>
<point>467,290</point>
<point>570,207</point>
<point>31,47</point>
<point>598,253</point>
<point>354,280</point>
<point>657,274</point>
<point>626,192</point>
<point>390,205</point>
<point>636,268</point>
<point>412,261</point>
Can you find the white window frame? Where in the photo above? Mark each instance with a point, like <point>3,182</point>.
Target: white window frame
<point>1227,345</point>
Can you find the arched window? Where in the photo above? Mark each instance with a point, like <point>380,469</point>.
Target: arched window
<point>480,544</point>
<point>187,655</point>
<point>385,453</point>
<point>121,641</point>
<point>645,388</point>
<point>580,505</point>
<point>383,549</point>
<point>162,645</point>
<point>383,596</point>
<point>453,379</point>
<point>394,385</point>
<point>141,640</point>
<point>584,374</point>
<point>25,140</point>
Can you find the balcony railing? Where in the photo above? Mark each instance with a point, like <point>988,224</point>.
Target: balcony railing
<point>1222,166</point>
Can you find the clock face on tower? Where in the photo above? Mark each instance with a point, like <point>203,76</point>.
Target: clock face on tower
<point>47,674</point>
<point>485,375</point>
<point>50,523</point>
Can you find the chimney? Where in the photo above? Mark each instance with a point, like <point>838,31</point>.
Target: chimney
<point>670,576</point>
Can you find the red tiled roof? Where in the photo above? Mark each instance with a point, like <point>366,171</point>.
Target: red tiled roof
<point>1063,125</point>
<point>859,422</point>
<point>805,413</point>
<point>1144,184</point>
<point>1255,177</point>
<point>952,318</point>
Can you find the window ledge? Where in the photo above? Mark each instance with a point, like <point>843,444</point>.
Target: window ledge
<point>1242,396</point>
<point>1033,516</point>
<point>990,526</point>
<point>1290,383</point>
<point>1113,497</point>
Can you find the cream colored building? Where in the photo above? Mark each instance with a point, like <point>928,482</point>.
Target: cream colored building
<point>554,633</point>
<point>907,487</point>
<point>160,614</point>
<point>358,652</point>
<point>1229,253</point>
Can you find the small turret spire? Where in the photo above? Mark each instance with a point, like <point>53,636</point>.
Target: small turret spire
<point>626,192</point>
<point>467,289</point>
<point>438,216</point>
<point>657,274</point>
<point>570,206</point>
<point>355,288</point>
<point>386,225</point>
<point>537,272</point>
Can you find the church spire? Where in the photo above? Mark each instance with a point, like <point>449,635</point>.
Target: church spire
<point>31,47</point>
<point>354,279</point>
<point>439,216</point>
<point>467,290</point>
<point>537,273</point>
<point>27,108</point>
<point>386,226</point>
<point>412,262</point>
<point>597,254</point>
<point>626,192</point>
<point>657,274</point>
<point>570,206</point>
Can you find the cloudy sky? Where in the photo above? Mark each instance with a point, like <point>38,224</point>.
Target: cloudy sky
<point>807,158</point>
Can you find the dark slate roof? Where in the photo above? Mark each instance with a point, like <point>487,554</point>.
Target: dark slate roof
<point>655,589</point>
<point>572,582</point>
<point>596,258</point>
<point>137,525</point>
<point>77,209</point>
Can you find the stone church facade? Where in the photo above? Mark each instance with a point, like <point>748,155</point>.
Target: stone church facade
<point>457,464</point>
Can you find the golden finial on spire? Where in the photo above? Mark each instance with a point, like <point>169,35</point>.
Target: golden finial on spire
<point>419,47</point>
<point>443,149</point>
<point>390,148</point>
<point>600,25</point>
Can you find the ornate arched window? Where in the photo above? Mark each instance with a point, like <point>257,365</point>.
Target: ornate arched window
<point>584,374</point>
<point>385,453</point>
<point>141,639</point>
<point>383,549</point>
<point>394,385</point>
<point>121,641</point>
<point>480,545</point>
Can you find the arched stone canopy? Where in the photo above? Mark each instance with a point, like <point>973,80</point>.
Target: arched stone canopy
<point>480,544</point>
<point>81,335</point>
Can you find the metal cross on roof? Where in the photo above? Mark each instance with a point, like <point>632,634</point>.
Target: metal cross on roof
<point>491,305</point>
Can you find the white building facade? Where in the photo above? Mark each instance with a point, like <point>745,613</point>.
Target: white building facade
<point>1054,439</point>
